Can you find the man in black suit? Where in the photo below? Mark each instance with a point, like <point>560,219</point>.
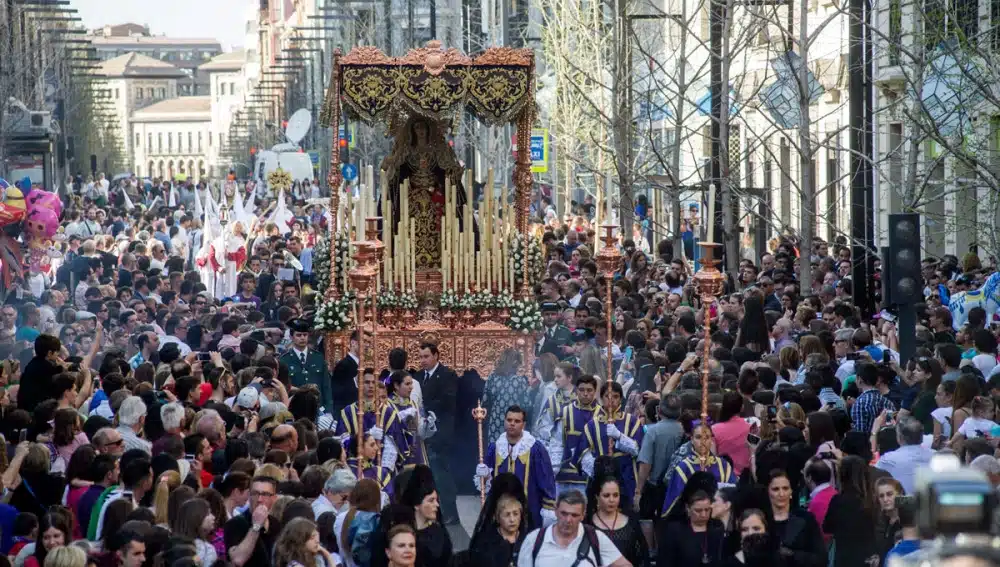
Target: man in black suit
<point>36,383</point>
<point>440,389</point>
<point>343,387</point>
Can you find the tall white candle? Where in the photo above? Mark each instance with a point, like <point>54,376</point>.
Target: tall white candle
<point>711,214</point>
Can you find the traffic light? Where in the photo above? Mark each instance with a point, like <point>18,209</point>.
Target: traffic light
<point>904,278</point>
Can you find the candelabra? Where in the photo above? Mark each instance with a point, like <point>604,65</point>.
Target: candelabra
<point>710,282</point>
<point>361,276</point>
<point>609,261</point>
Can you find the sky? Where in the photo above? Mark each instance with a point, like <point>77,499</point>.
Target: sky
<point>223,20</point>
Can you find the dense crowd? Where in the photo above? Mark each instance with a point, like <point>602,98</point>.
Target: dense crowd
<point>150,421</point>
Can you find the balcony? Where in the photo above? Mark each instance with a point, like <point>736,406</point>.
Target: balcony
<point>891,78</point>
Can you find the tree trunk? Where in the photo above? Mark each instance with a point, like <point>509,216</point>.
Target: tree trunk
<point>807,194</point>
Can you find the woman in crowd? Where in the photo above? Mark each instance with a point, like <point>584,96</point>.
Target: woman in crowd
<point>54,530</point>
<point>544,372</point>
<point>941,417</point>
<point>622,527</point>
<point>503,522</point>
<point>694,540</point>
<point>39,489</point>
<point>67,436</point>
<point>758,546</point>
<point>505,388</point>
<point>433,542</point>
<point>889,528</point>
<point>298,546</point>
<point>78,477</point>
<point>365,502</point>
<point>923,373</point>
<point>731,431</point>
<point>401,548</point>
<point>196,522</point>
<point>796,530</point>
<point>724,513</point>
<point>966,390</point>
<point>852,516</point>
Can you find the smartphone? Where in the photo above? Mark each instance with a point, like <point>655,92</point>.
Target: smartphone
<point>204,356</point>
<point>772,412</point>
<point>890,416</point>
<point>23,436</point>
<point>886,357</point>
<point>753,439</point>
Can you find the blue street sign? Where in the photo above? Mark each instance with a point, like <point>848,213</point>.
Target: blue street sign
<point>314,157</point>
<point>539,150</point>
<point>350,171</point>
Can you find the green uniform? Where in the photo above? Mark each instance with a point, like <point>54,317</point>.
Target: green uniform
<point>313,371</point>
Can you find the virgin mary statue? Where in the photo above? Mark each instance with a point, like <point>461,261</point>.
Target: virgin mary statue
<point>421,155</point>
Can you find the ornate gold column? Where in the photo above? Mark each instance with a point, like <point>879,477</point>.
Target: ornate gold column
<point>331,115</point>
<point>522,186</point>
<point>710,282</point>
<point>609,260</point>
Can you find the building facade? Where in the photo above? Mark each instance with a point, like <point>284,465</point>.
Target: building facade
<point>174,138</point>
<point>186,54</point>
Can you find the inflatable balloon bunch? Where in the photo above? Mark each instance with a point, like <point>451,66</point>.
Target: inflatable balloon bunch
<point>33,214</point>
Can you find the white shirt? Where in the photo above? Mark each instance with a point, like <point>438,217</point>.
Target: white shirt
<point>552,554</point>
<point>973,426</point>
<point>322,505</point>
<point>943,416</point>
<point>429,373</point>
<point>185,350</point>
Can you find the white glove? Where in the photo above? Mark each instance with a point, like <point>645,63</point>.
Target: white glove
<point>408,413</point>
<point>548,517</point>
<point>377,433</point>
<point>482,470</point>
<point>544,434</point>
<point>587,464</point>
<point>431,418</point>
<point>613,431</point>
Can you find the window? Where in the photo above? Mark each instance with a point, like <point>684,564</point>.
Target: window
<point>138,94</point>
<point>199,142</point>
<point>159,143</point>
<point>180,141</point>
<point>232,88</point>
<point>170,142</point>
<point>190,145</point>
<point>895,154</point>
<point>149,143</point>
<point>945,19</point>
<point>152,94</point>
<point>995,25</point>
<point>222,88</point>
<point>116,94</point>
<point>222,140</point>
<point>163,93</point>
<point>138,140</point>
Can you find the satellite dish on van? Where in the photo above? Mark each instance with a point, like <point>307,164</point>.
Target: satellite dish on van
<point>298,125</point>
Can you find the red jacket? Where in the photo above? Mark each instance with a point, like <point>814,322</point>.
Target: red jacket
<point>818,507</point>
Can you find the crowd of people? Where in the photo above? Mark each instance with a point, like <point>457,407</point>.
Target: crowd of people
<point>150,421</point>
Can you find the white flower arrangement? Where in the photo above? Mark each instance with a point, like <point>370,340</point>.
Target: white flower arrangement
<point>525,316</point>
<point>342,255</point>
<point>536,263</point>
<point>467,301</point>
<point>408,300</point>
<point>503,300</point>
<point>335,314</point>
<point>387,299</point>
<point>449,300</point>
<point>321,265</point>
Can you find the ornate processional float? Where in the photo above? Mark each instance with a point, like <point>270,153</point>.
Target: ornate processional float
<point>420,261</point>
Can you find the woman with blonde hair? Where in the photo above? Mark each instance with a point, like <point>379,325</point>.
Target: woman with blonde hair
<point>167,482</point>
<point>505,387</point>
<point>66,556</point>
<point>271,470</point>
<point>401,546</point>
<point>791,414</point>
<point>789,360</point>
<point>808,345</point>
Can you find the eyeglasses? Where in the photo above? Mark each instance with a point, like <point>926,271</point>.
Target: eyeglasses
<point>256,494</point>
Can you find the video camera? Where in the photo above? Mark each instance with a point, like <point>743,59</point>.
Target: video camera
<point>956,516</point>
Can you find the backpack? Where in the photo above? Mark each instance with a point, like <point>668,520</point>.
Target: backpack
<point>588,542</point>
<point>359,537</point>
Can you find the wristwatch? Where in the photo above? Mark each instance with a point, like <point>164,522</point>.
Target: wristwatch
<point>257,527</point>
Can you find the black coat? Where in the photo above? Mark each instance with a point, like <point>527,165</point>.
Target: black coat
<point>36,383</point>
<point>343,389</point>
<point>441,397</point>
<point>801,535</point>
<point>680,546</point>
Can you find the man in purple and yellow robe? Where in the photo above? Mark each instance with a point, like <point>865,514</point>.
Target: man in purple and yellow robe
<point>416,428</point>
<point>519,453</point>
<point>620,439</point>
<point>382,422</point>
